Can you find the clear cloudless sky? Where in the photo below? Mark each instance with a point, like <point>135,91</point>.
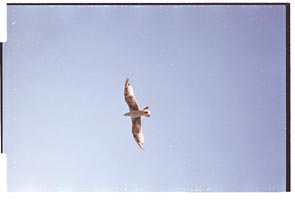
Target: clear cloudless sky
<point>213,77</point>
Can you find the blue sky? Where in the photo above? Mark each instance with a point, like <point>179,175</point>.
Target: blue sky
<point>213,77</point>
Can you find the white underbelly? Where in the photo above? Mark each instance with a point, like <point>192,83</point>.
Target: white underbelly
<point>134,113</point>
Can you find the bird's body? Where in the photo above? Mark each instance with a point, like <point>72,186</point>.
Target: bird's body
<point>135,114</point>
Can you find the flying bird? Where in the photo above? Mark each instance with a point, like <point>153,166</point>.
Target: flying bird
<point>135,114</point>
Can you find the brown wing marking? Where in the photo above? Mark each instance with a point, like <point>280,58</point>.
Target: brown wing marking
<point>129,96</point>
<point>137,131</point>
<point>132,103</point>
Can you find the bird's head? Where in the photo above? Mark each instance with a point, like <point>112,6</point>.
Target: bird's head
<point>146,113</point>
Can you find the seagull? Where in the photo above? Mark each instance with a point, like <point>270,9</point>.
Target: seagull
<point>135,114</point>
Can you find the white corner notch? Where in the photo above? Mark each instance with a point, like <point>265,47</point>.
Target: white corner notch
<point>3,21</point>
<point>3,173</point>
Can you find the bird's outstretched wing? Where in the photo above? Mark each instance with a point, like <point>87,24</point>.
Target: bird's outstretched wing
<point>137,131</point>
<point>129,96</point>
